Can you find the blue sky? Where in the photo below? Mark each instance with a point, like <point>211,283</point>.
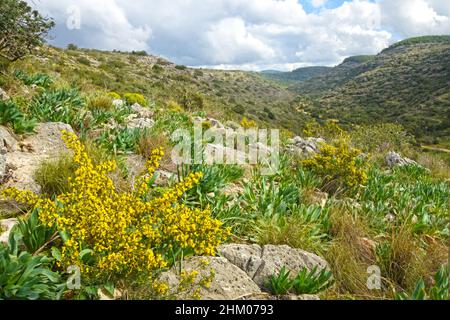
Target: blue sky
<point>245,34</point>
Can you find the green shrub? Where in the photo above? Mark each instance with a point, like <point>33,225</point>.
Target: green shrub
<point>11,115</point>
<point>132,98</point>
<point>114,95</point>
<point>266,198</point>
<point>24,276</point>
<point>32,234</point>
<point>41,80</point>
<point>214,179</point>
<point>280,284</point>
<point>85,61</point>
<point>120,140</point>
<point>61,105</point>
<point>312,282</point>
<point>181,67</point>
<point>381,138</point>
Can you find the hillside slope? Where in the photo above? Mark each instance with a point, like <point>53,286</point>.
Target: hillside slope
<point>408,83</point>
<point>228,95</point>
<point>300,74</point>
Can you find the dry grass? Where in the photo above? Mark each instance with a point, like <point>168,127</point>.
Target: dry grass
<point>150,141</point>
<point>348,257</point>
<point>100,102</point>
<point>438,167</point>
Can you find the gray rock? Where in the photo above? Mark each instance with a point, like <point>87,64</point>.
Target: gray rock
<point>7,140</point>
<point>31,151</point>
<point>304,147</point>
<point>262,262</point>
<point>3,95</point>
<point>118,103</point>
<point>229,283</point>
<point>139,123</point>
<point>214,123</point>
<point>3,153</point>
<point>141,111</point>
<point>5,229</point>
<point>393,160</point>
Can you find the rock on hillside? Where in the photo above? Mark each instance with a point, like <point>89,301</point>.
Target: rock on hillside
<point>229,283</point>
<point>242,271</point>
<point>259,263</point>
<point>22,157</point>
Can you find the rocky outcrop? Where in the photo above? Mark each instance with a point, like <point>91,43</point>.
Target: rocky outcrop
<point>23,157</point>
<point>393,160</point>
<point>229,282</point>
<point>259,263</point>
<point>141,111</point>
<point>304,147</point>
<point>242,271</point>
<point>133,122</point>
<point>5,229</point>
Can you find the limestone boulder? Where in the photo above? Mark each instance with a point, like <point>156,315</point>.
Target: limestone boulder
<point>229,281</point>
<point>259,263</point>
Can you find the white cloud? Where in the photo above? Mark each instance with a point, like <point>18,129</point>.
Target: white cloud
<point>416,17</point>
<point>248,34</point>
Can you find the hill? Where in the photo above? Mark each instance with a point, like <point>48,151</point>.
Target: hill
<point>228,95</point>
<point>407,83</point>
<point>300,74</point>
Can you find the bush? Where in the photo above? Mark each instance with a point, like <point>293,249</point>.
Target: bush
<point>100,102</point>
<point>132,98</point>
<point>114,95</point>
<point>339,165</point>
<point>22,29</point>
<point>39,79</point>
<point>24,276</point>
<point>53,175</point>
<point>85,61</point>
<point>150,232</point>
<point>11,115</point>
<point>121,140</point>
<point>247,124</point>
<point>381,138</point>
<point>280,284</point>
<point>61,105</point>
<point>34,236</point>
<point>312,281</point>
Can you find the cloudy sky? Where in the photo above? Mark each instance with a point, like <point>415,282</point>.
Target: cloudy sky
<point>245,34</point>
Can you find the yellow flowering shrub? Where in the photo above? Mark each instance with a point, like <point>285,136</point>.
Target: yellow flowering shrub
<point>174,106</point>
<point>122,232</point>
<point>247,124</point>
<point>114,95</point>
<point>339,164</point>
<point>132,98</point>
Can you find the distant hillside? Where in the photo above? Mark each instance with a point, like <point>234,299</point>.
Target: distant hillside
<point>223,94</point>
<point>301,74</point>
<point>408,83</point>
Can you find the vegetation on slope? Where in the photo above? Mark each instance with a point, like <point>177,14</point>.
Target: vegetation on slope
<point>407,83</point>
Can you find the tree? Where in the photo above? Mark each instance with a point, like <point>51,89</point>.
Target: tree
<point>21,29</point>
